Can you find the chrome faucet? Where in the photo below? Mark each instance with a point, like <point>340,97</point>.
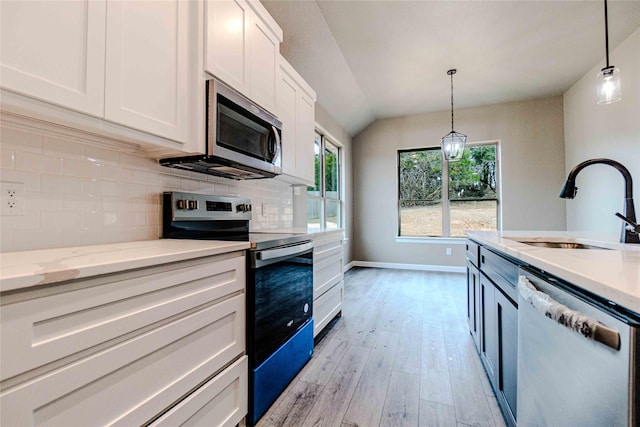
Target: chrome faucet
<point>630,233</point>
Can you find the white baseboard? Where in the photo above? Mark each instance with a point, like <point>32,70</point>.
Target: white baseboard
<point>422,267</point>
<point>348,267</point>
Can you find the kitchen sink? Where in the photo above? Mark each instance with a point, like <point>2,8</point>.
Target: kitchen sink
<point>562,245</point>
<point>556,244</point>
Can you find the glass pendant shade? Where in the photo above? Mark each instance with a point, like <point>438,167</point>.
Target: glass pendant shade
<point>453,145</point>
<point>609,85</point>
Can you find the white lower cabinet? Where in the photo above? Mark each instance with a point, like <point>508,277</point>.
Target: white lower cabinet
<point>328,279</point>
<point>129,347</point>
<point>220,402</point>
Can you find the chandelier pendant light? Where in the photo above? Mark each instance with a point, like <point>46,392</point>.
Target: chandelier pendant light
<point>453,143</point>
<point>609,84</point>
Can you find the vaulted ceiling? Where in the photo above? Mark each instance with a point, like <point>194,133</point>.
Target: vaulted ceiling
<point>376,59</point>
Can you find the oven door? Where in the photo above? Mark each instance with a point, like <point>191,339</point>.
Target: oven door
<point>279,297</point>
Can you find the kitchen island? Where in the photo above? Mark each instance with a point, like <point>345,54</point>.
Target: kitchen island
<point>613,273</point>
<point>544,308</point>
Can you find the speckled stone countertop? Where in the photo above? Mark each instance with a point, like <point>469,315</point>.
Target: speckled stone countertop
<point>40,267</point>
<point>613,273</point>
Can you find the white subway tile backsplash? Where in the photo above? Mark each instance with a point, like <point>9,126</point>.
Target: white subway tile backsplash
<point>79,194</point>
<point>60,184</point>
<point>36,239</point>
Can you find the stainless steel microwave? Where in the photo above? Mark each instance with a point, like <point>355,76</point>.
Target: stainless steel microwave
<point>243,140</point>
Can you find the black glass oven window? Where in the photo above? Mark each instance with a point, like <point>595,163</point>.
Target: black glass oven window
<point>278,298</point>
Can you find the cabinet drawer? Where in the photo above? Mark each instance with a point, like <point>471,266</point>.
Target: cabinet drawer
<point>82,316</point>
<point>502,272</point>
<point>326,273</point>
<point>220,402</point>
<point>130,383</point>
<point>327,306</point>
<point>326,250</point>
<point>472,252</point>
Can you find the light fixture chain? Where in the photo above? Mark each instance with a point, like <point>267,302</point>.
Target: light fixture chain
<point>451,102</point>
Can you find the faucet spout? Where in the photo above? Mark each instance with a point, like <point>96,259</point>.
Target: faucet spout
<point>569,191</point>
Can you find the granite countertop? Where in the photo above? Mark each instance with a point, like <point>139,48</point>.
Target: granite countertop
<point>40,267</point>
<point>612,273</point>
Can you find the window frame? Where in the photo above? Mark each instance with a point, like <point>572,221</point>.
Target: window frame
<point>325,138</point>
<point>444,199</point>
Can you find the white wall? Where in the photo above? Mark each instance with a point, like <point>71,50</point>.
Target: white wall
<point>532,173</point>
<point>78,194</point>
<point>610,131</point>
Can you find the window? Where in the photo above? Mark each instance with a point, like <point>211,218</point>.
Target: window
<point>324,203</point>
<point>441,199</point>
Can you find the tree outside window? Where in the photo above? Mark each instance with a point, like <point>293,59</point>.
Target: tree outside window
<point>441,199</point>
<point>324,205</point>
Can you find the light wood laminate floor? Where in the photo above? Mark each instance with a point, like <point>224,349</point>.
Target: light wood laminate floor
<point>400,355</point>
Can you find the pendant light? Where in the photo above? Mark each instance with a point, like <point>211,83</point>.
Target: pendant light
<point>609,85</point>
<point>453,143</point>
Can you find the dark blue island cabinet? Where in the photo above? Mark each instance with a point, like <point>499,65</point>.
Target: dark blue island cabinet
<point>492,314</point>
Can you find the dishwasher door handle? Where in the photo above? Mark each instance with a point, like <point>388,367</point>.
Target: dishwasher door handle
<point>282,252</point>
<point>585,325</point>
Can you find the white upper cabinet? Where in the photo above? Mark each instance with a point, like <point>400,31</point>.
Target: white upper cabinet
<point>133,68</point>
<point>55,51</point>
<point>147,66</point>
<point>296,109</point>
<point>227,44</point>
<point>242,48</point>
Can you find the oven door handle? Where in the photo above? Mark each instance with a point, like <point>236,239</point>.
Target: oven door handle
<point>282,252</point>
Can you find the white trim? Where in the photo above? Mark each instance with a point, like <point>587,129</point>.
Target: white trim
<point>431,240</point>
<point>421,267</point>
<point>348,267</point>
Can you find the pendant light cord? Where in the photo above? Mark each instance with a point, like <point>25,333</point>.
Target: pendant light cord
<point>606,32</point>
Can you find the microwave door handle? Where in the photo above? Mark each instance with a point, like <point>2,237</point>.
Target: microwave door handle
<point>275,142</point>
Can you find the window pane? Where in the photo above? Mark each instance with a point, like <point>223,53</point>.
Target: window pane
<point>317,147</point>
<point>474,176</point>
<point>314,212</point>
<point>421,219</point>
<point>473,215</point>
<point>331,171</point>
<point>420,190</point>
<point>333,214</point>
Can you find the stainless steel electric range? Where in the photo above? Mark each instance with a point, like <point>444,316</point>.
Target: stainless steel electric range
<point>279,288</point>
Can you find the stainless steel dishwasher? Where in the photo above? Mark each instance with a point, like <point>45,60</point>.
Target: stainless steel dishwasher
<point>577,357</point>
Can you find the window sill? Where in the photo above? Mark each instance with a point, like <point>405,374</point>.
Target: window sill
<point>432,240</point>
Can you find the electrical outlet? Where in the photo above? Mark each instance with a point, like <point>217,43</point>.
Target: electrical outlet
<point>12,198</point>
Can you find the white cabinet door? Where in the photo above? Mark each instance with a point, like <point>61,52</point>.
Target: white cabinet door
<point>264,54</point>
<point>227,44</point>
<point>286,107</point>
<point>296,109</point>
<point>54,51</point>
<point>147,66</point>
<point>306,124</point>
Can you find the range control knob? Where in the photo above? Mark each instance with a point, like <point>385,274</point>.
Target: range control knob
<point>243,207</point>
<point>181,204</point>
<point>193,205</point>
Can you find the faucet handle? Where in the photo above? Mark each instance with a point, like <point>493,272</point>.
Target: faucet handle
<point>631,225</point>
